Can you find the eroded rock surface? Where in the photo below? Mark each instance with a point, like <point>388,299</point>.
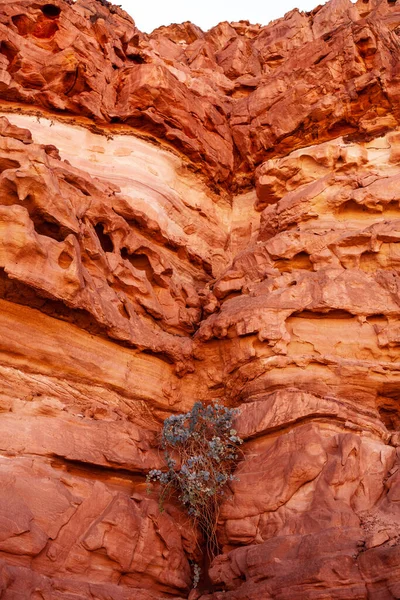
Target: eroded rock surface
<point>186,216</point>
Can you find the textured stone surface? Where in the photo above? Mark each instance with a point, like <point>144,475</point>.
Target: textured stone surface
<point>196,215</point>
<point>228,98</point>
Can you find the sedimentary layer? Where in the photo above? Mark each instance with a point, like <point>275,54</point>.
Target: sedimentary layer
<point>186,216</point>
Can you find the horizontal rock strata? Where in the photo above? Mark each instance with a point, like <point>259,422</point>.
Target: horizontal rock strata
<point>186,216</point>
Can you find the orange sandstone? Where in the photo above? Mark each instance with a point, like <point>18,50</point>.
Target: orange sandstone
<point>193,215</point>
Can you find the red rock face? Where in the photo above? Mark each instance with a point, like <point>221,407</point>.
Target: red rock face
<point>188,216</point>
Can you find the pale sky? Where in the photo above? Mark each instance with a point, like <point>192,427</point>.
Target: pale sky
<point>149,14</point>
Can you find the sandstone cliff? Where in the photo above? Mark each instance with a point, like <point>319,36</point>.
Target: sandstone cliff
<point>189,216</point>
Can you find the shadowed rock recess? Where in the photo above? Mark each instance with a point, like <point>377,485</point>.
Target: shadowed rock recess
<point>189,216</point>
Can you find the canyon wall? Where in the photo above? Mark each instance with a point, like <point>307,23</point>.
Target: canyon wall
<point>190,216</point>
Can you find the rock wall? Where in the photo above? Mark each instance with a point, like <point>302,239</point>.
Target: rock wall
<point>189,216</point>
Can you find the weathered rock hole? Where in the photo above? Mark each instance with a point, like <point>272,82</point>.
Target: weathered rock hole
<point>8,163</point>
<point>230,296</point>
<point>51,151</point>
<point>64,260</point>
<point>241,91</point>
<point>8,192</point>
<point>340,128</point>
<point>320,59</point>
<point>104,239</point>
<point>23,23</point>
<point>119,53</point>
<point>369,262</point>
<point>51,11</point>
<point>388,208</point>
<point>366,48</point>
<point>140,262</point>
<point>77,183</point>
<point>351,206</point>
<point>47,228</point>
<point>273,59</point>
<point>124,311</point>
<point>299,261</point>
<point>45,29</point>
<point>389,411</point>
<point>8,50</point>
<point>377,318</point>
<point>136,58</point>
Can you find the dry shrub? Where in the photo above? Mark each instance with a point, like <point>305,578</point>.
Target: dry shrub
<point>201,451</point>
